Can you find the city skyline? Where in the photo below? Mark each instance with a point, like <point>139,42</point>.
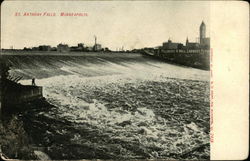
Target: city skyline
<point>116,24</point>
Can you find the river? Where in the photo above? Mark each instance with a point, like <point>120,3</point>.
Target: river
<point>117,107</point>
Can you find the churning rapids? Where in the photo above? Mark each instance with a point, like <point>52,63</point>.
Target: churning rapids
<point>117,107</point>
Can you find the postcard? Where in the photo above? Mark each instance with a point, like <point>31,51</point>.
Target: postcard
<point>122,80</point>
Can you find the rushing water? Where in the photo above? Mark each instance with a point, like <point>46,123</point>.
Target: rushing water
<point>122,109</point>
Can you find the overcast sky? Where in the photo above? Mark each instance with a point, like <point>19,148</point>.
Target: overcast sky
<point>130,24</point>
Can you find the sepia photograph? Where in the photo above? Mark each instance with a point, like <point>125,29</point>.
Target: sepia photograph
<point>105,80</point>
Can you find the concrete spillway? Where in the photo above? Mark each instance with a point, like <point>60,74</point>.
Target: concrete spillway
<point>96,64</point>
<point>14,93</point>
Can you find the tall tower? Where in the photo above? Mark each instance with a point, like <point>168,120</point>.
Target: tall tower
<point>95,46</point>
<point>95,39</point>
<point>187,41</point>
<point>202,32</point>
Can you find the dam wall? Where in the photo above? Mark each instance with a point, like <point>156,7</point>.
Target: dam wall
<point>25,94</point>
<point>22,95</point>
<point>14,93</point>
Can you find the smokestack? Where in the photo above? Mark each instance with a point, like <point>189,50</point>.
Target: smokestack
<point>95,40</point>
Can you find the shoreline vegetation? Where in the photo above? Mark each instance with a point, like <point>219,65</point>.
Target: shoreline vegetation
<point>14,142</point>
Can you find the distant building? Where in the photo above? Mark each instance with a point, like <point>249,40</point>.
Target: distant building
<point>192,45</point>
<point>25,48</point>
<point>79,47</point>
<point>202,31</point>
<point>97,47</point>
<point>204,41</point>
<point>63,48</point>
<point>44,48</point>
<point>53,49</point>
<point>35,48</point>
<point>73,48</point>
<point>171,45</point>
<point>107,49</point>
<point>89,48</point>
<point>180,46</point>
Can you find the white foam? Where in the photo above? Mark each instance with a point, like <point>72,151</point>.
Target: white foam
<point>67,93</point>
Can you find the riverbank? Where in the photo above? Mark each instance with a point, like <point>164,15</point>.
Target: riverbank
<point>197,59</point>
<point>16,141</point>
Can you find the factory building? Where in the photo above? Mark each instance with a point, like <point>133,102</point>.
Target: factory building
<point>44,48</point>
<point>63,48</point>
<point>97,47</point>
<point>171,45</point>
<point>192,45</point>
